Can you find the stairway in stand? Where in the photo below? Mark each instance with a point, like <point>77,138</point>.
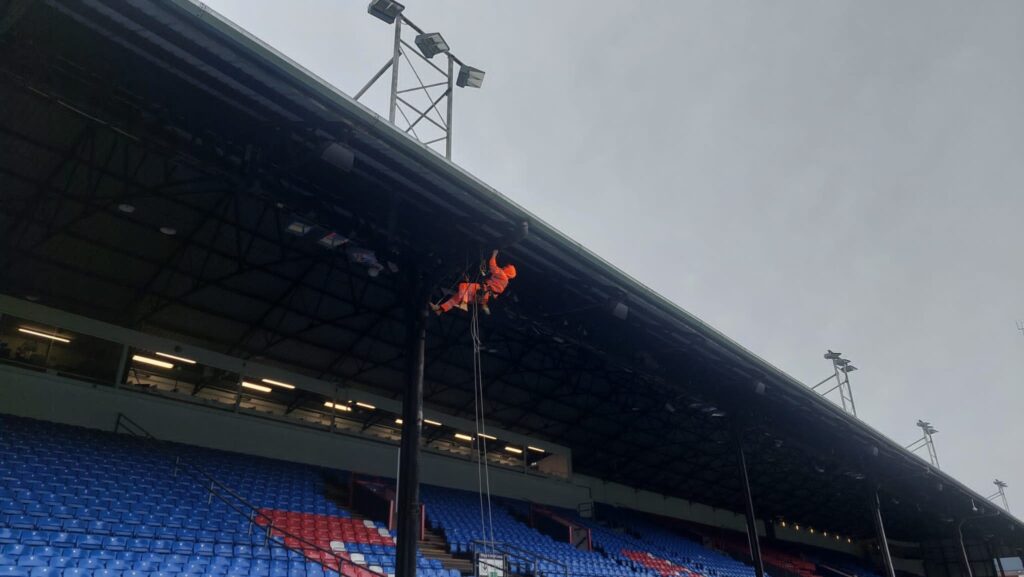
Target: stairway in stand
<point>434,546</point>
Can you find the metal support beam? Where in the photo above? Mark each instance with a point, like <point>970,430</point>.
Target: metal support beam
<point>393,101</point>
<point>883,542</point>
<point>412,429</point>
<point>752,540</point>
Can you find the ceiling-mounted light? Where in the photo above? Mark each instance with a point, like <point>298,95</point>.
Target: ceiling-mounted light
<point>332,240</point>
<point>366,406</point>
<point>41,334</point>
<point>398,421</point>
<point>337,406</point>
<point>536,449</point>
<point>429,422</point>
<point>469,76</point>
<point>431,44</point>
<point>255,387</point>
<point>126,208</point>
<point>515,450</point>
<point>386,10</point>
<point>176,358</point>
<point>463,437</point>
<point>620,310</point>
<point>278,384</point>
<point>152,361</point>
<point>338,156</point>
<point>298,228</point>
<point>168,230</point>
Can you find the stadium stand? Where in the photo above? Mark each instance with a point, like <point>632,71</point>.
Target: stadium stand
<point>82,503</point>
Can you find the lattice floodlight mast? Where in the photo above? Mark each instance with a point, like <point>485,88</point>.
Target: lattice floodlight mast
<point>841,369</point>
<point>1001,493</point>
<point>926,441</point>
<point>420,104</point>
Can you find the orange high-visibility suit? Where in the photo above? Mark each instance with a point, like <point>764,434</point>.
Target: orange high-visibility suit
<point>469,292</point>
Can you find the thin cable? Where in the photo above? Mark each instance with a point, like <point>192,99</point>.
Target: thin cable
<point>481,419</point>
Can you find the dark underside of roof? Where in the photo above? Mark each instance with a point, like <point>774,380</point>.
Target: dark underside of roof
<point>161,106</point>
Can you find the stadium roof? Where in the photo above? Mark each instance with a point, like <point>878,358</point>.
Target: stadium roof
<point>155,156</point>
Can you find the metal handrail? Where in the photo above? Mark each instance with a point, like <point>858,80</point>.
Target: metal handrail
<point>254,512</point>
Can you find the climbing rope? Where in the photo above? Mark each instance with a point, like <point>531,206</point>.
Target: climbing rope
<point>483,467</point>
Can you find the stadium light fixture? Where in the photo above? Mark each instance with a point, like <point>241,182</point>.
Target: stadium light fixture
<point>431,44</point>
<point>43,335</point>
<point>338,407</point>
<point>398,421</point>
<point>515,450</point>
<point>332,240</point>
<point>255,387</point>
<point>152,362</point>
<point>298,228</point>
<point>432,423</point>
<point>536,449</point>
<point>278,384</point>
<point>366,406</point>
<point>488,437</point>
<point>386,10</point>
<point>463,437</point>
<point>176,358</point>
<point>427,118</point>
<point>470,77</point>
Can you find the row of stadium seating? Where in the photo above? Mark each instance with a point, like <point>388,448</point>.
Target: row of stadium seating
<point>82,503</point>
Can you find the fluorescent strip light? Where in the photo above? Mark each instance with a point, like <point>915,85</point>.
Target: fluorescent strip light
<point>515,450</point>
<point>256,387</point>
<point>429,422</point>
<point>338,407</point>
<point>182,359</point>
<point>278,383</point>
<point>367,406</point>
<point>44,335</point>
<point>488,437</point>
<point>536,449</point>
<point>154,362</point>
<point>463,437</point>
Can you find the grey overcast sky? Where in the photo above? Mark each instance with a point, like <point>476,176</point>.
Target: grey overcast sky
<point>801,175</point>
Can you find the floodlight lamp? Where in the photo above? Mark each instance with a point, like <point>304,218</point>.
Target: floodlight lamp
<point>842,362</point>
<point>1000,484</point>
<point>431,44</point>
<point>386,10</point>
<point>830,355</point>
<point>848,369</point>
<point>469,76</point>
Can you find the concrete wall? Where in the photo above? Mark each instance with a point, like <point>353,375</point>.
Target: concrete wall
<point>53,398</point>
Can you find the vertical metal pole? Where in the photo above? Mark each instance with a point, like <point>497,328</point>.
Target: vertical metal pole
<point>122,367</point>
<point>752,540</point>
<point>393,106</point>
<point>238,393</point>
<point>412,425</point>
<point>451,93</point>
<point>968,571</point>
<point>883,542</point>
<point>334,408</point>
<point>839,380</point>
<point>849,392</point>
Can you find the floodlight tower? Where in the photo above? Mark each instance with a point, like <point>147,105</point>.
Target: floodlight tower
<point>926,441</point>
<point>841,369</point>
<point>1001,493</point>
<point>421,100</point>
